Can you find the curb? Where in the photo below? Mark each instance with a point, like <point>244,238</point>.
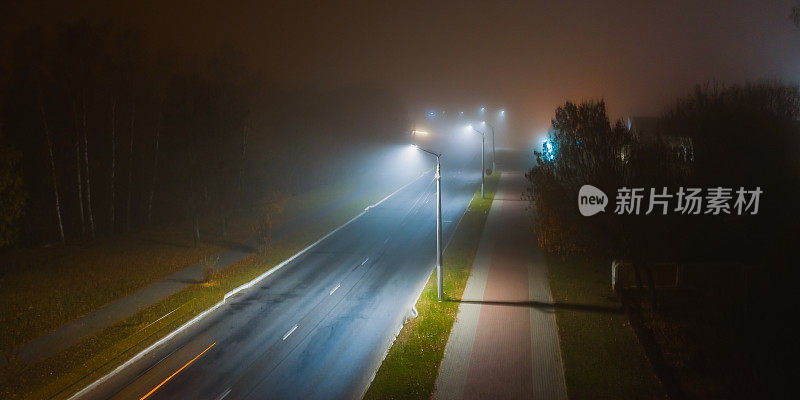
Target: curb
<point>228,295</point>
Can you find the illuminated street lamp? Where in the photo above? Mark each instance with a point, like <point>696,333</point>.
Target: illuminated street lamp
<point>483,159</point>
<point>439,289</point>
<point>417,132</point>
<point>494,165</point>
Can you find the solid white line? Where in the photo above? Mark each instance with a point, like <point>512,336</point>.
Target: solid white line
<point>334,289</point>
<point>147,350</point>
<point>414,304</point>
<point>200,316</point>
<point>290,259</point>
<point>162,317</point>
<point>401,188</point>
<point>289,333</point>
<point>224,394</point>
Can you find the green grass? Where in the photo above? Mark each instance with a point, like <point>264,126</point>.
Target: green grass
<point>45,287</point>
<point>602,356</point>
<point>88,360</point>
<point>410,368</point>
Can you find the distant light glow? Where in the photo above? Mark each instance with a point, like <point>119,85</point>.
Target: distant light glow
<point>431,114</point>
<point>547,150</point>
<point>502,111</point>
<point>417,132</point>
<point>483,109</point>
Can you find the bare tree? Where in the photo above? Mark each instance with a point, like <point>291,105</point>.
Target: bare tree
<point>155,161</point>
<point>86,165</point>
<point>113,157</point>
<point>78,168</point>
<point>130,169</point>
<point>243,160</point>
<point>53,174</point>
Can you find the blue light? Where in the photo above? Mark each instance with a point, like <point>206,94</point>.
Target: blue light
<point>547,150</point>
<point>431,114</point>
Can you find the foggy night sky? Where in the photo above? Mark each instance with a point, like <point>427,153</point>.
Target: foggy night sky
<point>528,57</point>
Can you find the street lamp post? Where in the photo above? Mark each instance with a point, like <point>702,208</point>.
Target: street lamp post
<point>483,158</point>
<point>494,165</point>
<point>439,288</point>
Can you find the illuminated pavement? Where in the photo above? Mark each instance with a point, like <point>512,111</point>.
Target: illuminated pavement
<point>320,326</point>
<point>54,342</point>
<point>504,344</point>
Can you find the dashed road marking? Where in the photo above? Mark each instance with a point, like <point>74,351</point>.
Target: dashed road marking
<point>289,333</point>
<point>224,394</point>
<point>334,289</point>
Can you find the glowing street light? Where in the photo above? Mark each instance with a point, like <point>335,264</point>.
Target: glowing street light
<point>439,286</point>
<point>483,159</point>
<point>417,132</point>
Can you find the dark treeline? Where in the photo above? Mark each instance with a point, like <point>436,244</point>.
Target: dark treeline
<point>737,272</point>
<point>731,137</point>
<point>115,136</point>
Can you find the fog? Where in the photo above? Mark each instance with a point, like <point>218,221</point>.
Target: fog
<point>527,57</point>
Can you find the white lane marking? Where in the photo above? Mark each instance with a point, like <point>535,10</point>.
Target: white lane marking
<point>162,317</point>
<point>365,261</point>
<point>219,304</point>
<point>334,289</point>
<point>289,333</point>
<point>401,188</point>
<point>224,394</point>
<point>312,245</point>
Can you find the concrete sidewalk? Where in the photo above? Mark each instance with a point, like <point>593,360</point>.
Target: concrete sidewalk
<point>504,344</point>
<point>71,333</point>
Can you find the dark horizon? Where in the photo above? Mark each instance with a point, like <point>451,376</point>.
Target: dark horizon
<point>639,57</point>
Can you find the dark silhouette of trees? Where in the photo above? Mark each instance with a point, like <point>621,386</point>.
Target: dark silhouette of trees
<point>116,136</point>
<point>12,195</point>
<point>588,149</point>
<point>736,136</point>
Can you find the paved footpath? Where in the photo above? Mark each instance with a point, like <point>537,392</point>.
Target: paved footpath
<point>504,344</point>
<point>71,333</point>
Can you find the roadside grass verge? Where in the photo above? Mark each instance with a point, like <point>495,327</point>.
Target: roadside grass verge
<point>45,287</point>
<point>73,369</point>
<point>715,333</point>
<point>410,368</point>
<point>603,359</point>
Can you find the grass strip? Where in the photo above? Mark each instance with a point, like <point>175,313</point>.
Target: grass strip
<point>45,287</point>
<point>603,359</point>
<point>73,369</point>
<point>410,368</point>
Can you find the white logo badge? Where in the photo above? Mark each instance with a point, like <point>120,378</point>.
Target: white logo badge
<point>591,200</point>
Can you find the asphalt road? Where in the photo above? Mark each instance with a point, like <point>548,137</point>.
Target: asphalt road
<point>320,326</point>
